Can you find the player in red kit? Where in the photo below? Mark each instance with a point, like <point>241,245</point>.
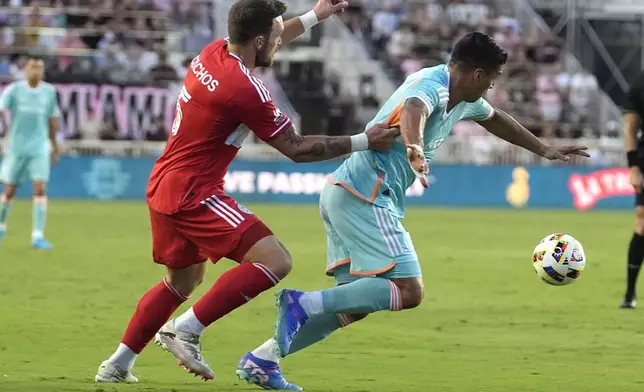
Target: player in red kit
<point>192,219</point>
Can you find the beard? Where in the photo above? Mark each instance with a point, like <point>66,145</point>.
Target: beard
<point>263,59</point>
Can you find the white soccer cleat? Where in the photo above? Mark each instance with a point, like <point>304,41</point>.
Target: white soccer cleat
<point>110,372</point>
<point>186,348</point>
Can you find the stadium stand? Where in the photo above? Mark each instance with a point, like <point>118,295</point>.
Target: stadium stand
<point>117,65</point>
<point>407,36</point>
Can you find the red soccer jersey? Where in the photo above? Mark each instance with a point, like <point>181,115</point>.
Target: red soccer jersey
<point>219,104</point>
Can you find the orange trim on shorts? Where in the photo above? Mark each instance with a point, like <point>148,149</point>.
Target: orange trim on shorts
<point>377,272</point>
<point>337,264</point>
<point>357,194</point>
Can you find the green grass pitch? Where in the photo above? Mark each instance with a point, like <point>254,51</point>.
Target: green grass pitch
<point>487,324</point>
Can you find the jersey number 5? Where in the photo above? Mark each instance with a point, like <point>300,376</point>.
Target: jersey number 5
<point>184,97</point>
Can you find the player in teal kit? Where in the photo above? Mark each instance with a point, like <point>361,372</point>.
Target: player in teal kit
<point>31,145</point>
<point>369,252</point>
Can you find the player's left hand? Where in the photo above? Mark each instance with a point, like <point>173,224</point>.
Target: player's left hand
<point>325,8</point>
<point>564,153</point>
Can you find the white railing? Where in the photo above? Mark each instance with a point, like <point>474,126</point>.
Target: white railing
<point>475,150</point>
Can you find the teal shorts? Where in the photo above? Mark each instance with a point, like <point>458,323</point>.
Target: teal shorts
<point>18,168</point>
<point>364,239</point>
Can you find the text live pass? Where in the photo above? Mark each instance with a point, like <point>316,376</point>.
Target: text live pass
<point>292,183</point>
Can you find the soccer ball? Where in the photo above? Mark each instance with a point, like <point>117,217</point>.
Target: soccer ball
<point>559,259</point>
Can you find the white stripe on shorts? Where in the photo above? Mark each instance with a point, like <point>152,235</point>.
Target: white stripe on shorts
<point>216,206</point>
<point>387,231</point>
<point>390,225</point>
<point>228,208</point>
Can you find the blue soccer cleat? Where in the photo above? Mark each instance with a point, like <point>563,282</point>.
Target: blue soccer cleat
<point>2,234</point>
<point>41,243</point>
<point>290,319</point>
<point>265,374</point>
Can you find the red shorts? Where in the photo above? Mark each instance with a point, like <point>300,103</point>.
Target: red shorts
<point>215,228</point>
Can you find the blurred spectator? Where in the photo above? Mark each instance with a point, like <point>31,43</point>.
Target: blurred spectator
<point>401,42</point>
<point>509,40</point>
<point>163,71</point>
<point>340,112</point>
<point>156,132</point>
<point>16,70</point>
<point>90,126</point>
<point>108,130</point>
<point>583,91</point>
<point>543,49</point>
<point>411,64</point>
<point>71,40</point>
<point>383,25</point>
<point>550,102</point>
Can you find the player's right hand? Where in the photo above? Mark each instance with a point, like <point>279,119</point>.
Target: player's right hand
<point>382,136</point>
<point>418,163</point>
<point>55,154</point>
<point>636,178</point>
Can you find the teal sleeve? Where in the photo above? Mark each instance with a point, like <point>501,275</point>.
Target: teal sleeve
<point>7,98</point>
<point>54,110</point>
<point>429,92</point>
<point>478,111</point>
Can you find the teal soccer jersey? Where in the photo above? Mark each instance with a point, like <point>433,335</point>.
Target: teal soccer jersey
<point>382,178</point>
<point>27,147</point>
<point>362,212</point>
<point>31,108</point>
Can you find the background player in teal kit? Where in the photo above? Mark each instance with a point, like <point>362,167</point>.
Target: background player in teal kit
<point>31,145</point>
<point>369,253</point>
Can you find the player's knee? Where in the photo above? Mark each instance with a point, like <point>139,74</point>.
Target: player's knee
<point>9,192</point>
<point>412,292</point>
<point>272,254</point>
<point>40,189</point>
<point>282,263</point>
<point>639,220</point>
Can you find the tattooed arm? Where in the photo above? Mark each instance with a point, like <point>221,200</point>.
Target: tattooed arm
<point>316,148</point>
<point>310,148</point>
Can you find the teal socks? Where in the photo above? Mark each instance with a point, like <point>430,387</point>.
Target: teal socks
<point>5,206</point>
<point>39,217</point>
<point>315,330</point>
<point>366,295</point>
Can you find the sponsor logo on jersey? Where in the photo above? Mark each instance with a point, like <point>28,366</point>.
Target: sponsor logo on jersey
<point>279,116</point>
<point>244,209</point>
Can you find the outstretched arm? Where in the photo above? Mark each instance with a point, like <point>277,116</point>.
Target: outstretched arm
<point>507,128</point>
<point>310,148</point>
<point>317,148</point>
<point>295,27</point>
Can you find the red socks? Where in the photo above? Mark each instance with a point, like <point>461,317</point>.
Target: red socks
<point>232,290</point>
<point>153,310</point>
